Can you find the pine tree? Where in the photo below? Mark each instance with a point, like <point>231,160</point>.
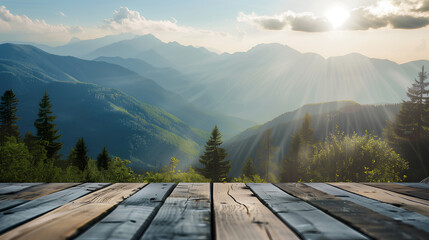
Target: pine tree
<point>409,133</point>
<point>300,152</point>
<point>248,169</point>
<point>215,167</point>
<point>80,155</point>
<point>46,131</point>
<point>412,122</point>
<point>8,118</point>
<point>103,159</point>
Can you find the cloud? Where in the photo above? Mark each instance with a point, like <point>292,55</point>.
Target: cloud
<point>396,14</point>
<point>408,22</point>
<point>423,6</point>
<point>14,24</point>
<point>126,20</point>
<point>305,22</point>
<point>22,28</point>
<point>309,23</point>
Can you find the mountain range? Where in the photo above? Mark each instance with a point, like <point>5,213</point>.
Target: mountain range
<point>105,101</point>
<point>267,80</point>
<point>161,99</point>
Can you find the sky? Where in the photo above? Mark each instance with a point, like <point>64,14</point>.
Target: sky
<point>397,30</point>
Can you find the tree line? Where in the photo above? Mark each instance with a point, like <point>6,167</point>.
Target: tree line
<point>37,157</point>
<point>400,153</point>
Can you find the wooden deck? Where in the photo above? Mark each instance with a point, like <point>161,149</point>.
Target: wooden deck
<point>214,211</point>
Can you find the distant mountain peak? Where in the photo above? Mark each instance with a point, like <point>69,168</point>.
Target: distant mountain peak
<point>353,55</point>
<point>273,46</point>
<point>147,37</point>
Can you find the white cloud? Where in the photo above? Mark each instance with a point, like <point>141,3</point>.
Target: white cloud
<point>396,14</point>
<point>306,22</point>
<point>126,20</point>
<point>10,23</point>
<point>22,28</point>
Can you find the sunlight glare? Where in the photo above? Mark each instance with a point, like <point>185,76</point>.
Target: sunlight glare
<point>337,16</point>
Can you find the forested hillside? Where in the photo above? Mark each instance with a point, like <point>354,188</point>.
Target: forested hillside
<point>347,117</point>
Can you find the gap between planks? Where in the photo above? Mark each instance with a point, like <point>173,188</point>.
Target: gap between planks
<point>185,214</point>
<point>371,223</point>
<point>67,220</point>
<point>406,202</point>
<point>27,194</point>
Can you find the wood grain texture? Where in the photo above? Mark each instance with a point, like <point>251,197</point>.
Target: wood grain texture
<point>67,220</point>
<point>416,185</point>
<point>14,199</point>
<point>240,215</point>
<point>185,214</point>
<point>406,202</point>
<point>407,190</point>
<point>32,209</point>
<point>308,221</point>
<point>132,216</point>
<point>8,188</point>
<point>417,220</point>
<point>365,220</point>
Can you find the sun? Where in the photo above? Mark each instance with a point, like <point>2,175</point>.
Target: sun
<point>337,16</point>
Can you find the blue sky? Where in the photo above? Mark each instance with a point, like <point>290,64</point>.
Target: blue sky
<point>392,29</point>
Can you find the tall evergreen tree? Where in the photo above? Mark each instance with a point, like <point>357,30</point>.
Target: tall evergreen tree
<point>412,122</point>
<point>80,155</point>
<point>46,131</point>
<point>265,155</point>
<point>215,167</point>
<point>8,118</point>
<point>248,169</point>
<point>300,152</point>
<point>409,133</point>
<point>103,159</point>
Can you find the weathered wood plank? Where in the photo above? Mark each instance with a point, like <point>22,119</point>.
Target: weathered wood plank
<point>30,210</point>
<point>240,215</point>
<point>131,217</point>
<point>407,190</point>
<point>8,188</point>
<point>416,185</point>
<point>308,221</point>
<point>67,220</point>
<point>397,213</point>
<point>14,199</point>
<point>366,220</point>
<point>185,214</point>
<point>406,202</point>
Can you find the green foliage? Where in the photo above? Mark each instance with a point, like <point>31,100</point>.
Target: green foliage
<point>46,131</point>
<point>409,133</point>
<point>413,119</point>
<point>248,168</point>
<point>79,155</point>
<point>300,152</point>
<point>170,174</point>
<point>15,161</point>
<point>250,179</point>
<point>8,118</point>
<point>365,158</point>
<point>103,159</point>
<point>215,167</point>
<point>37,151</point>
<point>265,157</point>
